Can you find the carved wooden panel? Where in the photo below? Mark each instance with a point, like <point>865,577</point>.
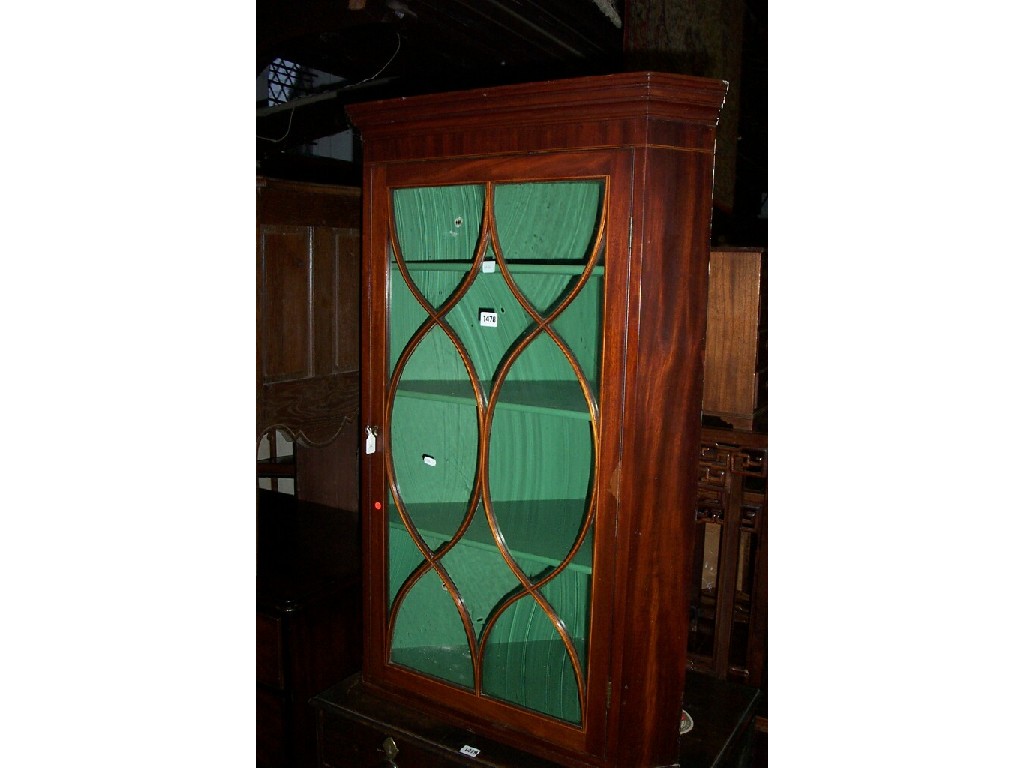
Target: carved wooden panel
<point>308,275</point>
<point>729,602</point>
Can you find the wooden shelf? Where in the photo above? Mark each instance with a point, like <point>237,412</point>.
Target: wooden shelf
<point>559,398</point>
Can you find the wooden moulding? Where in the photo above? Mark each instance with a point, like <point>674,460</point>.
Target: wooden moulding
<point>610,111</point>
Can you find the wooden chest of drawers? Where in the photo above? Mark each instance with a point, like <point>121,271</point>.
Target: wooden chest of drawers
<point>357,728</point>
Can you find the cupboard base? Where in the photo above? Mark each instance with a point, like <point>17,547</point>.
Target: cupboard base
<point>358,729</point>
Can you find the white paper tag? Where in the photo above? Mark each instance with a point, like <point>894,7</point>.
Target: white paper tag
<point>487,266</point>
<point>429,460</point>
<point>471,751</point>
<point>488,319</point>
<point>371,441</point>
<point>685,723</point>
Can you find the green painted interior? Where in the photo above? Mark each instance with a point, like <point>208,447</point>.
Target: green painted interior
<point>527,441</point>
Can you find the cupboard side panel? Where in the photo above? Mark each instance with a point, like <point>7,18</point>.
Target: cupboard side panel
<point>669,258</point>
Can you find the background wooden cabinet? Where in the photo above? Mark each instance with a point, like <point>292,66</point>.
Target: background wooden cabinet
<point>736,357</point>
<point>307,332</point>
<point>308,628</point>
<point>308,580</point>
<point>729,597</point>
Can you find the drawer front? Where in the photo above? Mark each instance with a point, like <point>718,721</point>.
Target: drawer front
<point>351,744</point>
<point>269,652</point>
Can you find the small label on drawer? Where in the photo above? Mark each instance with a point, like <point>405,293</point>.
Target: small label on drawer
<point>471,751</point>
<point>488,318</point>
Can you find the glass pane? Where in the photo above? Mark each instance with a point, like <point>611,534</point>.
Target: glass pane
<point>547,222</point>
<point>579,324</point>
<point>438,224</point>
<point>539,467</point>
<point>428,634</point>
<point>527,660</point>
<point>492,450</point>
<point>487,345</point>
<point>434,454</point>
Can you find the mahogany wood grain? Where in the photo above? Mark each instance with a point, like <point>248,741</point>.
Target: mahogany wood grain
<point>660,422</point>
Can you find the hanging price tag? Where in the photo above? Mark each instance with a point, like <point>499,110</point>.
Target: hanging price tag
<point>371,440</point>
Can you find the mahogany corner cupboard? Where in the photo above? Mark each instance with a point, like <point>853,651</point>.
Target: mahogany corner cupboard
<point>535,276</point>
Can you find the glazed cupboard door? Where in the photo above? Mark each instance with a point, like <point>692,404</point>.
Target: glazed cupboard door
<point>487,440</point>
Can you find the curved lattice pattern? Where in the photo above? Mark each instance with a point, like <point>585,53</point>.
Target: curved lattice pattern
<point>492,434</point>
